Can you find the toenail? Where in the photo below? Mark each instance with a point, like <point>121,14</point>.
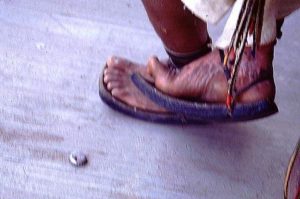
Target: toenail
<point>105,79</point>
<point>116,60</point>
<point>113,92</point>
<point>109,85</point>
<point>153,59</point>
<point>110,60</point>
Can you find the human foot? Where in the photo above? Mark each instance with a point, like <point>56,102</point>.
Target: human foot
<point>204,79</point>
<point>117,77</point>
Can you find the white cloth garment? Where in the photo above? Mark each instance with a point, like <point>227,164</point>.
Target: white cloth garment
<point>211,11</point>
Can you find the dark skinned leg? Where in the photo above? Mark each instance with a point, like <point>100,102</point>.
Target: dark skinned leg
<point>180,32</point>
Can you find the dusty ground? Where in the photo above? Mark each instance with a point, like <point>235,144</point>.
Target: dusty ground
<point>52,52</point>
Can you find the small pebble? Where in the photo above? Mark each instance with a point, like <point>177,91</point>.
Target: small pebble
<point>78,159</point>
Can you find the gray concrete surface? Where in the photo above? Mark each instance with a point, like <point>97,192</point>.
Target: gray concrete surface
<point>52,52</point>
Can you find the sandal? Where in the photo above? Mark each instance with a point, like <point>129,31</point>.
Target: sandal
<point>182,111</point>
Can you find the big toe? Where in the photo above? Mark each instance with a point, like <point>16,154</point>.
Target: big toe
<point>155,68</point>
<point>116,62</point>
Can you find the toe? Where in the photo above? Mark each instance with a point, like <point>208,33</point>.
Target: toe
<point>112,60</point>
<point>112,75</point>
<point>114,84</point>
<point>161,74</point>
<point>113,71</point>
<point>155,68</point>
<point>117,62</point>
<point>119,93</point>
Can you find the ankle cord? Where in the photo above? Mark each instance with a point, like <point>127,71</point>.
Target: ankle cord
<point>178,60</point>
<point>250,22</point>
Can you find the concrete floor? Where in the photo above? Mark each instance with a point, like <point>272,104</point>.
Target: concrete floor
<point>52,52</point>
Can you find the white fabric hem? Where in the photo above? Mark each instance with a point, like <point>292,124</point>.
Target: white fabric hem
<point>213,10</point>
<point>207,10</point>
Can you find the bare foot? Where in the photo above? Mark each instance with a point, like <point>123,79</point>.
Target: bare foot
<point>117,77</point>
<point>201,80</point>
<point>204,79</point>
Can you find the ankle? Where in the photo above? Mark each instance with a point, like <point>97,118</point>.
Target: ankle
<point>179,59</point>
<point>264,55</point>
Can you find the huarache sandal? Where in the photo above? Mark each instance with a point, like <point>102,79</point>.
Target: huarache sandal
<point>122,107</point>
<point>176,60</point>
<point>182,111</point>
